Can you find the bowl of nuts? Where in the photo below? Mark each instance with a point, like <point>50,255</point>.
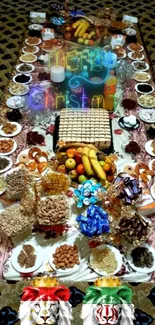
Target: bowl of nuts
<point>64,258</point>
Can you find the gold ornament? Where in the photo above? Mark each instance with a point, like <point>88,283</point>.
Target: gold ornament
<point>108,282</point>
<point>45,282</point>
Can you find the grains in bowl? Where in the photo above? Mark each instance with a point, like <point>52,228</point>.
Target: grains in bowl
<point>103,260</point>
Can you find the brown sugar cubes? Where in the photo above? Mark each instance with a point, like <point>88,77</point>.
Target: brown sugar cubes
<point>86,126</point>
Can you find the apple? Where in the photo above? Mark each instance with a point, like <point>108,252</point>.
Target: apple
<point>71,152</point>
<point>79,149</point>
<point>62,169</point>
<point>70,163</point>
<point>82,178</point>
<point>78,158</point>
<point>86,42</point>
<point>102,162</point>
<point>80,40</point>
<point>73,174</point>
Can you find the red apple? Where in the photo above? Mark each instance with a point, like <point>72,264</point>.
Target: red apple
<point>73,174</point>
<point>78,158</point>
<point>61,169</point>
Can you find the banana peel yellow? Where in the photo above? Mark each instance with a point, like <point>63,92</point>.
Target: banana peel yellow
<point>84,29</point>
<point>96,166</point>
<point>86,161</point>
<point>76,24</point>
<point>79,29</point>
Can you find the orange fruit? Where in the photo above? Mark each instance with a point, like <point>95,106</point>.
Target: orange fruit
<point>71,152</point>
<point>80,169</point>
<point>106,167</point>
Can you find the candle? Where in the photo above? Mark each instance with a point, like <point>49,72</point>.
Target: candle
<point>57,73</point>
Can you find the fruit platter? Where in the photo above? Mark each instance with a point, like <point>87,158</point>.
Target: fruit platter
<point>82,31</point>
<point>82,162</point>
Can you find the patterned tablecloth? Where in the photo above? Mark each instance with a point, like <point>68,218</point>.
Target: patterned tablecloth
<point>119,137</point>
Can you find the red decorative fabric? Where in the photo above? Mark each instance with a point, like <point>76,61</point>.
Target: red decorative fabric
<point>46,294</point>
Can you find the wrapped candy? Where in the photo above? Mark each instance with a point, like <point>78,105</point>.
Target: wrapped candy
<point>95,223</point>
<point>131,189</point>
<point>87,193</point>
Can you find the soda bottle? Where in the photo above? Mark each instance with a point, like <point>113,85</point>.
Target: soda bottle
<point>109,92</point>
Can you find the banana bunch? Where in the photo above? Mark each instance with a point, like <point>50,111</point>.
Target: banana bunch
<point>91,164</point>
<point>81,27</point>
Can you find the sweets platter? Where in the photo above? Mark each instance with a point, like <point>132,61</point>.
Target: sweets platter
<point>89,182</point>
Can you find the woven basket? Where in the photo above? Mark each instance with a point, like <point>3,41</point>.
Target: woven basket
<point>75,39</point>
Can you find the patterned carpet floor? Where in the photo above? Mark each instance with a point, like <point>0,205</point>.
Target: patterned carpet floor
<point>14,17</point>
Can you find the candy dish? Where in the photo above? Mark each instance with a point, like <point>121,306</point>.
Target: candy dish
<point>14,147</point>
<point>146,101</point>
<point>147,85</point>
<point>135,47</point>
<point>30,68</point>
<point>141,76</point>
<point>36,27</point>
<point>144,270</point>
<point>148,148</point>
<point>20,75</point>
<point>15,102</point>
<point>14,133</point>
<point>28,58</point>
<point>61,272</point>
<point>127,124</point>
<point>140,66</point>
<point>36,50</point>
<point>33,41</point>
<point>147,115</point>
<point>118,259</point>
<point>38,251</point>
<point>139,58</point>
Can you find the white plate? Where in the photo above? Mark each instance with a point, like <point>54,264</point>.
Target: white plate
<point>15,102</point>
<point>122,57</point>
<point>138,59</point>
<point>30,61</point>
<point>152,190</point>
<point>39,258</point>
<point>23,83</point>
<point>144,83</point>
<point>60,271</point>
<point>148,148</point>
<point>6,169</point>
<point>142,48</point>
<point>118,257</point>
<point>144,270</point>
<point>13,149</point>
<point>145,74</point>
<point>145,106</point>
<point>20,65</point>
<point>39,42</point>
<point>146,118</point>
<point>36,27</point>
<point>20,94</point>
<point>150,163</point>
<point>133,165</point>
<point>145,69</point>
<point>17,131</point>
<point>129,31</point>
<point>35,51</point>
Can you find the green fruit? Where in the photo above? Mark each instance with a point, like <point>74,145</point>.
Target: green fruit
<point>80,40</point>
<point>82,178</point>
<point>102,162</point>
<point>86,42</point>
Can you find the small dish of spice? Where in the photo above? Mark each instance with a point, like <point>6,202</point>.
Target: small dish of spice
<point>142,259</point>
<point>25,67</point>
<point>140,65</point>
<point>5,164</point>
<point>144,88</point>
<point>22,78</point>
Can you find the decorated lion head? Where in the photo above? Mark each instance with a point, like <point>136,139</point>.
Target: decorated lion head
<point>45,312</point>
